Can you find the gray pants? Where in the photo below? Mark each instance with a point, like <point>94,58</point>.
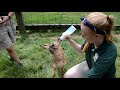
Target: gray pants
<point>77,71</point>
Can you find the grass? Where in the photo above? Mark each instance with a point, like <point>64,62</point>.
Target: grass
<point>60,17</point>
<point>37,62</point>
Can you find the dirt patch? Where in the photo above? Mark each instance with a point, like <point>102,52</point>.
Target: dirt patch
<point>55,37</point>
<point>116,35</point>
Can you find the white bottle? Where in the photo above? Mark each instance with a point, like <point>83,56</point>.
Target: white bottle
<point>69,31</point>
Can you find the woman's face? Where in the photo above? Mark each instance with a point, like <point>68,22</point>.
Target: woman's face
<point>87,34</point>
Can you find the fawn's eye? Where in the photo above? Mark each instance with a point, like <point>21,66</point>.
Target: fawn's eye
<point>52,45</point>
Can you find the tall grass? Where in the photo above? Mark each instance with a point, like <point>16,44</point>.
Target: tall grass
<point>37,62</point>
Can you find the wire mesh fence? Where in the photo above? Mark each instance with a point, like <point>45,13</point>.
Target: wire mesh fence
<point>60,17</point>
<point>52,19</point>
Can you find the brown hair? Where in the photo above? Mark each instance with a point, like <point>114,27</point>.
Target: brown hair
<point>103,22</point>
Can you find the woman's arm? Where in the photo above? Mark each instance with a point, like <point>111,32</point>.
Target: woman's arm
<point>10,14</point>
<point>75,45</point>
<point>6,18</point>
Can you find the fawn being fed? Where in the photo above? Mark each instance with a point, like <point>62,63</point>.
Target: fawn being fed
<point>58,57</point>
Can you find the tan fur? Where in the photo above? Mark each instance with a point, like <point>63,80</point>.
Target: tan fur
<point>58,56</point>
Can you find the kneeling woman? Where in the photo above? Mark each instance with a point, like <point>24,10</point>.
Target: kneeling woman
<point>100,51</point>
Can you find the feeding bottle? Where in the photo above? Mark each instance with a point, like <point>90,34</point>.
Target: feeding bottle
<point>69,31</point>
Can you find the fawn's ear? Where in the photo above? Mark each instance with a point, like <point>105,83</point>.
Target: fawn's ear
<point>45,46</point>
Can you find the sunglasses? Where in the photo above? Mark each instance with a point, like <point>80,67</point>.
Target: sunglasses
<point>87,23</point>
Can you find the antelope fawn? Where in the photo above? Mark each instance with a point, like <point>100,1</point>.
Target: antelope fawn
<point>58,57</point>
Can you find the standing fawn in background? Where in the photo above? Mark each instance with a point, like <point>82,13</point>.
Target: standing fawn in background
<point>58,56</point>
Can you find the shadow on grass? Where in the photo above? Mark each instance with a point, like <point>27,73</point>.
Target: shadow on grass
<point>11,70</point>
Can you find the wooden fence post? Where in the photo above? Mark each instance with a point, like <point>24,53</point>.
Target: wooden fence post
<point>20,22</point>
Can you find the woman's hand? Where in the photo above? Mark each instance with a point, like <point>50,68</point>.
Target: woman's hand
<point>68,37</point>
<point>4,19</point>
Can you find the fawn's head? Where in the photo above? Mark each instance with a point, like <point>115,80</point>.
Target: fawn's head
<point>52,47</point>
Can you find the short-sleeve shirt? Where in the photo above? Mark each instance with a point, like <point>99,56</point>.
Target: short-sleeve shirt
<point>101,61</point>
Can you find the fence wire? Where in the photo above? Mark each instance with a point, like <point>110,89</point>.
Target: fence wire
<point>58,18</point>
<point>53,17</point>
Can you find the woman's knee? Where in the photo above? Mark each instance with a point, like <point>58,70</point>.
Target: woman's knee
<point>68,74</point>
<point>72,73</point>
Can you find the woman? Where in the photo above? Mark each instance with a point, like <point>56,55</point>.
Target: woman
<point>100,51</point>
<point>8,35</point>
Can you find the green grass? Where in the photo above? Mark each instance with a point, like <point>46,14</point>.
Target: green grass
<point>37,62</point>
<point>60,17</point>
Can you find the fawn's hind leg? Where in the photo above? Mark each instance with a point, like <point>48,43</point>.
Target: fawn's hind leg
<point>60,72</point>
<point>54,70</point>
<point>63,70</point>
